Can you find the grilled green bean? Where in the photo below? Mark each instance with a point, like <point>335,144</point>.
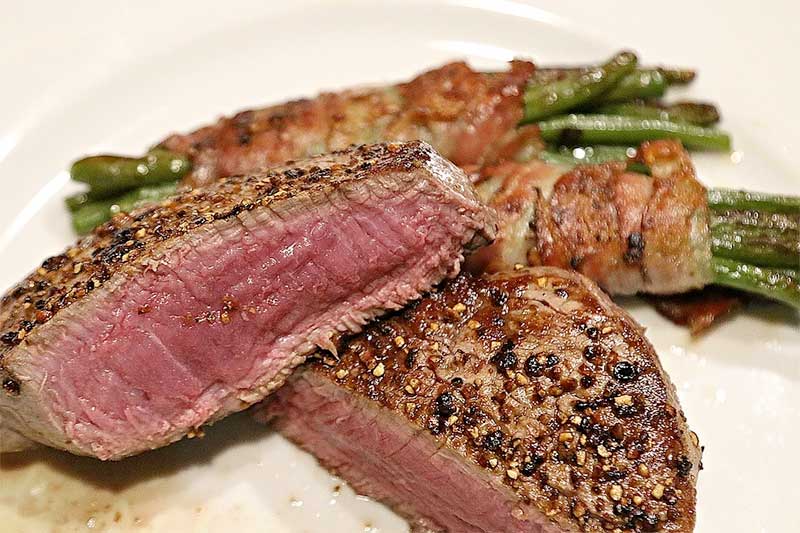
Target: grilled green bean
<point>80,199</point>
<point>641,83</point>
<point>548,99</point>
<point>733,200</point>
<point>700,114</point>
<point>781,284</point>
<point>591,155</point>
<point>678,76</point>
<point>610,129</point>
<point>108,175</point>
<point>757,246</point>
<point>673,76</point>
<point>88,216</point>
<point>76,201</point>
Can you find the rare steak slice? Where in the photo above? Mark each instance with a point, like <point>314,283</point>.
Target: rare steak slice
<point>174,316</point>
<point>516,402</point>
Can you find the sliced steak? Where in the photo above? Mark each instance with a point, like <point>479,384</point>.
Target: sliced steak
<point>179,314</point>
<point>517,402</point>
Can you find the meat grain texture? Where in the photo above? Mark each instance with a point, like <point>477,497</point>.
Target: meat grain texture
<point>174,316</point>
<point>516,402</point>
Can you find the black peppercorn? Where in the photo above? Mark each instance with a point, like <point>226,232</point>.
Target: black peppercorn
<point>684,466</point>
<point>624,371</point>
<point>11,386</point>
<point>492,441</point>
<point>445,405</point>
<point>505,359</point>
<point>533,367</point>
<point>527,468</point>
<point>10,337</point>
<point>592,352</point>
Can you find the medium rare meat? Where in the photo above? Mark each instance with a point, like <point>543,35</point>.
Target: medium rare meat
<point>174,316</point>
<point>516,402</point>
<point>628,232</point>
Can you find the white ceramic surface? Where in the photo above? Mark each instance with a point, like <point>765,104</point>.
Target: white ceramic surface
<point>90,76</point>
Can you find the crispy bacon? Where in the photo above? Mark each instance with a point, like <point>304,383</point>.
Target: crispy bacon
<point>698,310</point>
<point>514,191</point>
<point>468,116</point>
<point>628,232</point>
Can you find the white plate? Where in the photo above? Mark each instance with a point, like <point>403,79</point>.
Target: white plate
<point>81,77</point>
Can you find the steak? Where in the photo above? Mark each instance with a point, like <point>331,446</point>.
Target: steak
<point>516,402</point>
<point>174,316</point>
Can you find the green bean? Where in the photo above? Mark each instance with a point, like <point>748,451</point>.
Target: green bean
<point>76,201</point>
<point>592,155</point>
<point>756,228</point>
<point>108,175</point>
<point>678,76</point>
<point>733,200</point>
<point>641,83</point>
<point>781,284</point>
<point>545,100</point>
<point>757,246</point>
<point>700,114</point>
<point>80,199</point>
<point>673,76</point>
<point>610,129</point>
<point>757,220</point>
<point>88,216</point>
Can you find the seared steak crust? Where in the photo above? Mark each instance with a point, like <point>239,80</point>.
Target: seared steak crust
<point>129,239</point>
<point>545,390</point>
<point>469,117</point>
<point>178,314</point>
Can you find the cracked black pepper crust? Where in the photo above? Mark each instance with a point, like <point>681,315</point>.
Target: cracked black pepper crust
<point>130,238</point>
<point>538,378</point>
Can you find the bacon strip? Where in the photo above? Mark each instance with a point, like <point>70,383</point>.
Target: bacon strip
<point>698,310</point>
<point>628,232</point>
<point>469,117</point>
